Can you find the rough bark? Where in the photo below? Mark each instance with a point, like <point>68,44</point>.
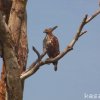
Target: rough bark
<point>2,90</point>
<point>16,17</point>
<point>5,7</point>
<point>13,82</point>
<point>19,30</point>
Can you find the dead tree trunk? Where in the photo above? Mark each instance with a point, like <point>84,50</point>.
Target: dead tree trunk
<point>13,21</point>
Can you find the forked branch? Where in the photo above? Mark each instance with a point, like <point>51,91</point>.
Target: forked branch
<point>39,62</point>
<point>36,51</point>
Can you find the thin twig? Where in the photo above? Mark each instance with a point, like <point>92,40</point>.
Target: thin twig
<point>83,33</point>
<point>81,26</point>
<point>36,51</point>
<point>93,16</point>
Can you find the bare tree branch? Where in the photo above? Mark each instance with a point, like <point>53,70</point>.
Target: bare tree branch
<point>83,33</point>
<point>32,68</point>
<point>38,63</point>
<point>36,51</point>
<point>93,16</point>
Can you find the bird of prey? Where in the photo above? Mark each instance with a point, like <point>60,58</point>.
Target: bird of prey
<point>51,45</point>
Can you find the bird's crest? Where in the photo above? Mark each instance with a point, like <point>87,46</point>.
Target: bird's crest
<point>50,30</point>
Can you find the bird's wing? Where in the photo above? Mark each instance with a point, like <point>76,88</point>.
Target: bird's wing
<point>56,43</point>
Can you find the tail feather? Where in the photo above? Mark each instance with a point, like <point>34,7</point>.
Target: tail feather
<point>55,66</point>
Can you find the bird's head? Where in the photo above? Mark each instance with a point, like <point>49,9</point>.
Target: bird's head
<point>49,30</point>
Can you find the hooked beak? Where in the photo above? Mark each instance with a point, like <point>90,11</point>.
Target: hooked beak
<point>44,31</point>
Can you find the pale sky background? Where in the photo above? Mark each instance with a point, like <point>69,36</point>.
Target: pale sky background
<point>78,71</point>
